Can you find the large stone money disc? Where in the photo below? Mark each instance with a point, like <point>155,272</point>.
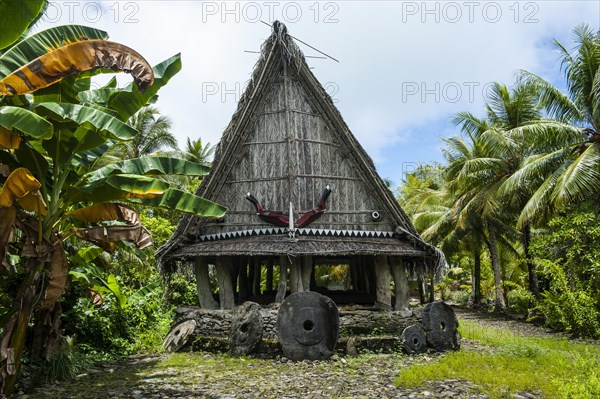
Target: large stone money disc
<point>308,326</point>
<point>441,325</point>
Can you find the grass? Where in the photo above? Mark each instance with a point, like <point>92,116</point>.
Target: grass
<point>505,361</point>
<point>554,367</point>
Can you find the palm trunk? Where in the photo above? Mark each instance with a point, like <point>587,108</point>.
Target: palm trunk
<point>477,274</point>
<point>532,274</point>
<point>493,246</point>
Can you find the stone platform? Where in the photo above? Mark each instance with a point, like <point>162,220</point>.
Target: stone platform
<point>361,329</point>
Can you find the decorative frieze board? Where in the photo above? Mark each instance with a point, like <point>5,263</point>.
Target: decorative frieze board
<point>298,232</point>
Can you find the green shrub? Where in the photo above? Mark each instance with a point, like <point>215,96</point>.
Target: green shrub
<point>568,258</point>
<point>519,300</point>
<point>182,290</point>
<point>461,296</point>
<point>568,308</point>
<point>137,324</point>
<point>65,362</point>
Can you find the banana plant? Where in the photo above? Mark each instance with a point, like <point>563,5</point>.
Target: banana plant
<point>17,17</point>
<point>53,129</point>
<point>99,283</point>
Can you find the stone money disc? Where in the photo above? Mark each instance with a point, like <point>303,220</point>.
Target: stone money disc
<point>246,329</point>
<point>308,326</point>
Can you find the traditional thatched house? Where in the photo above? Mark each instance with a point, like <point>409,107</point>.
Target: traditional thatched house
<point>301,192</point>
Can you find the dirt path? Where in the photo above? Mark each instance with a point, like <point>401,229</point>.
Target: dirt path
<point>203,375</point>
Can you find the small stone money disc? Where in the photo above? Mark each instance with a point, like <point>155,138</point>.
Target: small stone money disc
<point>414,339</point>
<point>246,330</point>
<point>179,335</point>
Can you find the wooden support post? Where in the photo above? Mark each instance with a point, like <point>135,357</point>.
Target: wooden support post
<point>307,269</point>
<point>205,296</point>
<point>432,289</point>
<point>421,290</point>
<point>354,275</point>
<point>400,284</point>
<point>269,282</point>
<point>363,275</point>
<point>250,281</point>
<point>235,270</point>
<point>282,288</point>
<point>226,297</point>
<point>313,278</point>
<point>296,275</point>
<point>383,278</point>
<point>257,276</point>
<point>369,273</point>
<point>242,280</point>
<point>348,280</point>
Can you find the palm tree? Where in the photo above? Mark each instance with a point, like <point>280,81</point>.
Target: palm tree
<point>510,141</point>
<point>475,201</point>
<point>434,214</point>
<point>509,111</point>
<point>196,151</point>
<point>569,166</point>
<point>155,134</point>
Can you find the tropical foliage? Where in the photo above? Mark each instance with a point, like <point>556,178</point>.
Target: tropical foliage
<point>199,152</point>
<point>54,128</point>
<point>531,164</point>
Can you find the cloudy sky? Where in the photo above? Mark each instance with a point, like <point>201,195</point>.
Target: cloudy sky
<point>405,67</point>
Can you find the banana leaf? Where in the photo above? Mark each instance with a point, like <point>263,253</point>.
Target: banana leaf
<point>87,117</point>
<point>130,100</point>
<point>25,121</point>
<point>21,185</point>
<point>58,276</point>
<point>29,158</point>
<point>17,16</point>
<point>86,255</point>
<point>40,43</point>
<point>8,216</point>
<point>107,237</point>
<point>114,286</point>
<point>9,140</point>
<point>144,292</point>
<point>96,297</point>
<point>63,91</point>
<point>9,161</point>
<point>115,188</point>
<point>105,212</point>
<point>73,59</point>
<point>185,202</point>
<point>150,166</point>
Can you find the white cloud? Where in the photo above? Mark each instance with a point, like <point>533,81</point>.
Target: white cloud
<point>386,49</point>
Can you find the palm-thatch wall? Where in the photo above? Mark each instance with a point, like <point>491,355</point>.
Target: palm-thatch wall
<point>285,144</point>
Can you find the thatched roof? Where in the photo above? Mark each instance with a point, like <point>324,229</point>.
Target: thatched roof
<point>285,143</point>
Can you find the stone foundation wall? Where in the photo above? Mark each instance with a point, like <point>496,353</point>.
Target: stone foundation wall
<point>216,323</point>
<point>366,322</point>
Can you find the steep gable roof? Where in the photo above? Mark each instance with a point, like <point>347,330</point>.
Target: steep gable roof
<point>285,143</point>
